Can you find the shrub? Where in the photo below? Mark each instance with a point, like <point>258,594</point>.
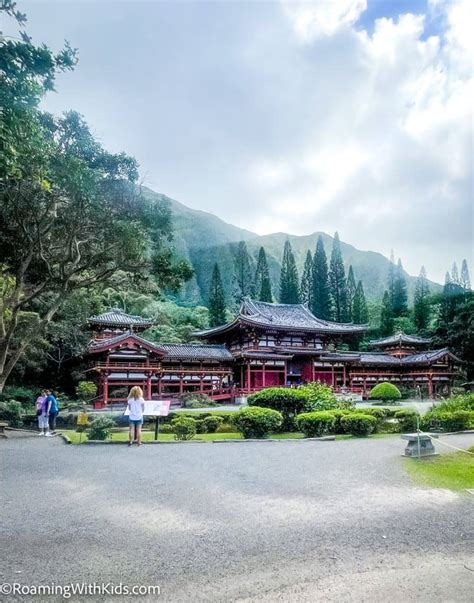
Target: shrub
<point>11,412</point>
<point>319,396</point>
<point>86,390</point>
<point>448,421</point>
<point>257,422</point>
<point>289,402</point>
<point>465,402</point>
<point>407,419</point>
<point>338,414</point>
<point>358,424</point>
<point>226,428</point>
<point>184,428</point>
<point>25,395</point>
<point>100,427</point>
<point>377,413</point>
<point>315,424</point>
<point>166,428</point>
<point>212,424</point>
<point>385,391</point>
<point>196,400</point>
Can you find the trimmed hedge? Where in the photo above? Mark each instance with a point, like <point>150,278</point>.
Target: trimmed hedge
<point>257,422</point>
<point>315,424</point>
<point>407,419</point>
<point>288,402</point>
<point>359,424</point>
<point>385,391</point>
<point>338,414</point>
<point>184,428</point>
<point>448,421</point>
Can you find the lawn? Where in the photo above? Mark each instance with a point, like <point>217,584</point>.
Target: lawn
<point>453,471</point>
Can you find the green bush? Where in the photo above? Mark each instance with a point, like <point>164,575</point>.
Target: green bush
<point>315,424</point>
<point>196,400</point>
<point>458,420</point>
<point>184,428</point>
<point>359,424</point>
<point>212,424</point>
<point>319,396</point>
<point>289,402</point>
<point>257,422</point>
<point>338,414</point>
<point>86,390</point>
<point>12,413</point>
<point>226,427</point>
<point>407,419</point>
<point>465,402</point>
<point>100,427</point>
<point>25,395</point>
<point>166,428</point>
<point>385,391</point>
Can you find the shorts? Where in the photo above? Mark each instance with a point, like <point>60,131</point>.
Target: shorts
<point>136,421</point>
<point>43,422</point>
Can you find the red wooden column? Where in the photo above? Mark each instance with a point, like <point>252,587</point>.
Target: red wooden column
<point>248,376</point>
<point>181,383</point>
<point>365,387</point>
<point>263,374</point>
<point>105,388</point>
<point>201,383</point>
<point>430,386</point>
<point>286,374</point>
<point>148,386</point>
<point>344,375</point>
<point>159,383</point>
<point>333,382</point>
<point>312,369</point>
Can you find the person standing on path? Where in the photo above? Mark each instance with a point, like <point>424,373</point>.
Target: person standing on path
<point>53,410</point>
<point>41,413</point>
<point>136,408</point>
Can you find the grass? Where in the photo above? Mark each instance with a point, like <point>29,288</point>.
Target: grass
<point>453,471</point>
<point>374,436</point>
<point>149,436</point>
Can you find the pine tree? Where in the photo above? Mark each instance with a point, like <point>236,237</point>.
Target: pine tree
<point>289,280</point>
<point>386,316</point>
<point>421,307</point>
<point>306,289</point>
<point>391,278</point>
<point>400,296</point>
<point>360,313</point>
<point>216,299</point>
<point>263,285</point>
<point>455,274</point>
<point>243,281</point>
<point>337,281</point>
<point>465,279</point>
<point>351,289</point>
<point>320,300</point>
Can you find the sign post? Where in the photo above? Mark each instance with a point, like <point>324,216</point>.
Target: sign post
<point>157,409</point>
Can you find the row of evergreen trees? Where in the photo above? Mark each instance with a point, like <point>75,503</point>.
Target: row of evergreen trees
<point>326,290</point>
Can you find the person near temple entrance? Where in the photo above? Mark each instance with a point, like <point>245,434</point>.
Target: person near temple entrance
<point>136,408</point>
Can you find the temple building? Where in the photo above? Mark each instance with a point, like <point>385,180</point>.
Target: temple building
<point>266,345</point>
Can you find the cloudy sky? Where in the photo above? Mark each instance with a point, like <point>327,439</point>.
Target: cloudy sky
<point>285,116</point>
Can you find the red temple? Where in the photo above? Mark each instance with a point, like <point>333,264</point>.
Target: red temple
<point>265,345</point>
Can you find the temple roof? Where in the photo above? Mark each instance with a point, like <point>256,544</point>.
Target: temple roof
<point>378,358</point>
<point>196,351</point>
<point>117,318</point>
<point>283,316</point>
<point>399,339</point>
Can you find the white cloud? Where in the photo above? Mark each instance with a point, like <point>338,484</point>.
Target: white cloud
<point>389,136</point>
<point>322,17</point>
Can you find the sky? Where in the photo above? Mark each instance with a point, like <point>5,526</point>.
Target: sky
<point>347,115</point>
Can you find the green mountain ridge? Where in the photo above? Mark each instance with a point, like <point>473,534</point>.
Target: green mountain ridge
<point>203,239</point>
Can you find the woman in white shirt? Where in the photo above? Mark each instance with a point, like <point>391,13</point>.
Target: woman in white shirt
<point>136,408</point>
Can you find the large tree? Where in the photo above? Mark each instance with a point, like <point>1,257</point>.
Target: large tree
<point>216,299</point>
<point>306,288</point>
<point>351,291</point>
<point>391,278</point>
<point>243,278</point>
<point>465,279</point>
<point>360,313</point>
<point>71,214</point>
<point>421,306</point>
<point>386,316</point>
<point>263,285</point>
<point>289,280</point>
<point>321,300</point>
<point>337,281</point>
<point>400,295</point>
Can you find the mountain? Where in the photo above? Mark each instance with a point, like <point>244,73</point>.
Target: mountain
<point>203,239</point>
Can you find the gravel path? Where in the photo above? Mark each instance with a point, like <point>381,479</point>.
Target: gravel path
<point>270,521</point>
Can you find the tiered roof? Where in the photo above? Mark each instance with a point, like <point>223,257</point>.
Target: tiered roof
<point>374,358</point>
<point>399,339</point>
<point>117,318</point>
<point>292,317</point>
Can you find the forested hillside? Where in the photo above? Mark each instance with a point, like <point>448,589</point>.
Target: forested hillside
<point>203,239</point>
